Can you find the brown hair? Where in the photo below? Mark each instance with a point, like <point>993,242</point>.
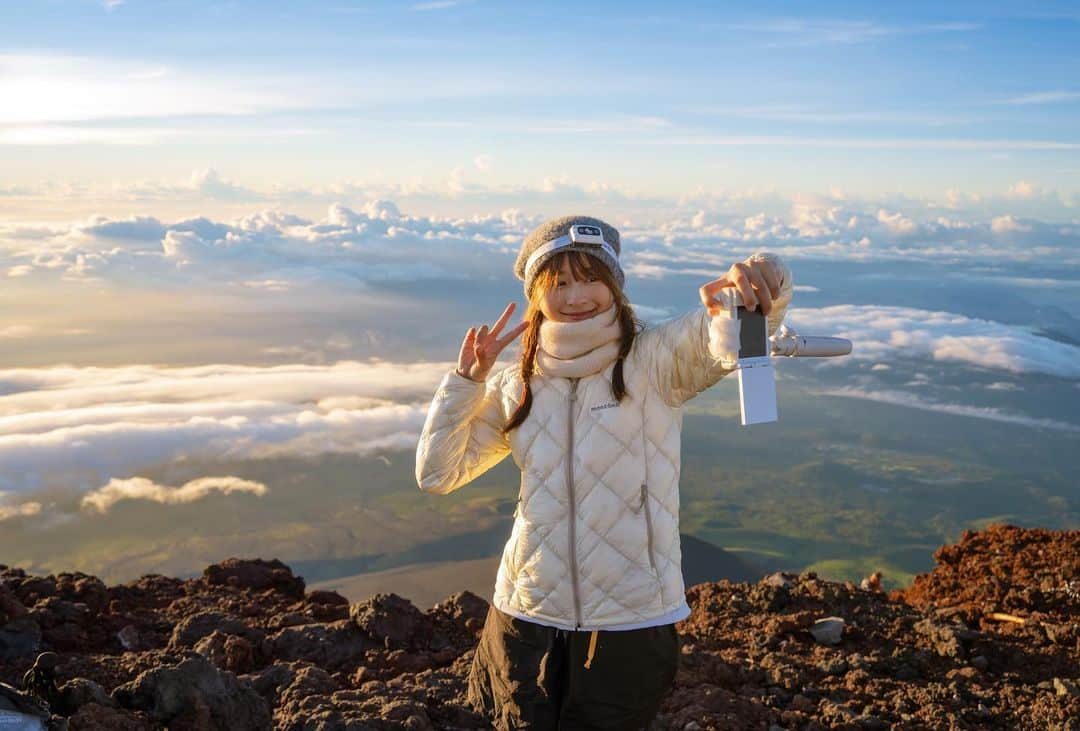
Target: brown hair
<point>583,266</point>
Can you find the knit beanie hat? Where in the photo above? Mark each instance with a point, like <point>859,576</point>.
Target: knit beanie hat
<point>569,233</point>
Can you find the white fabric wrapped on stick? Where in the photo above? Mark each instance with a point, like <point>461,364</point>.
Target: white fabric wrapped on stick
<point>724,339</point>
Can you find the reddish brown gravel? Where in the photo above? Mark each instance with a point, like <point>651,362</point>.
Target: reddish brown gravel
<point>990,639</point>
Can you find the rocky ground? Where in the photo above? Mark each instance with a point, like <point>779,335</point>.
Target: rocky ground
<point>989,640</point>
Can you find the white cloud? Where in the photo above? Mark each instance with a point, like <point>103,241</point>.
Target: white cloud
<point>897,223</point>
<point>16,331</point>
<point>824,115</point>
<point>211,185</point>
<point>1023,189</point>
<point>52,98</point>
<point>861,143</point>
<point>275,255</point>
<point>1044,97</point>
<point>882,333</point>
<point>139,135</point>
<point>813,32</point>
<point>435,5</point>
<point>482,162</point>
<point>23,510</point>
<point>83,426</point>
<point>752,211</point>
<point>697,239</point>
<point>1009,224</point>
<point>653,314</point>
<point>140,488</point>
<point>43,89</point>
<point>204,184</point>
<point>899,398</point>
<point>267,251</point>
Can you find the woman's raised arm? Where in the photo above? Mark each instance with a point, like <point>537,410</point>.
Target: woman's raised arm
<point>677,352</point>
<point>462,436</point>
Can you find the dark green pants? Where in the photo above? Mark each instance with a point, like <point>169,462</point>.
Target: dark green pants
<point>529,676</point>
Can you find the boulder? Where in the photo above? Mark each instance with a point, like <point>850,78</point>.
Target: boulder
<point>95,717</point>
<point>321,596</point>
<point>228,652</point>
<point>464,605</point>
<point>273,679</point>
<point>89,591</point>
<point>10,606</point>
<point>388,618</point>
<point>195,695</point>
<point>290,619</point>
<point>255,574</point>
<point>334,646</point>
<point>780,580</point>
<point>328,606</point>
<point>32,588</point>
<point>189,630</point>
<point>77,692</point>
<point>828,631</point>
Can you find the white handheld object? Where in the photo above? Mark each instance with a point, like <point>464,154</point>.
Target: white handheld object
<point>738,339</point>
<point>787,342</point>
<point>757,382</point>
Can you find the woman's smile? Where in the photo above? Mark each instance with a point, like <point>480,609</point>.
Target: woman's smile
<point>573,298</point>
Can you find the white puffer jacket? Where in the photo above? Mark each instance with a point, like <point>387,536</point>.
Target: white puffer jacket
<point>595,541</point>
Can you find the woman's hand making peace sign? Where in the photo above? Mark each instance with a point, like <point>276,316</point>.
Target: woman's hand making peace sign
<point>481,347</point>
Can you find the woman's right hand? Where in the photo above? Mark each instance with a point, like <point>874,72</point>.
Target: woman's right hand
<point>481,347</point>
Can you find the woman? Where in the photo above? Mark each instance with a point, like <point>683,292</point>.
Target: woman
<point>581,630</point>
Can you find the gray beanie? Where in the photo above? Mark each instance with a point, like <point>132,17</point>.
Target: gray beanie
<point>558,230</point>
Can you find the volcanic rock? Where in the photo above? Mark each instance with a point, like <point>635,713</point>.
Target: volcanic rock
<point>990,639</point>
<point>388,618</point>
<point>195,695</point>
<point>256,574</point>
<point>828,631</point>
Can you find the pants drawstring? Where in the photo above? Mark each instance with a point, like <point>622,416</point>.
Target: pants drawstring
<point>545,658</point>
<point>592,649</point>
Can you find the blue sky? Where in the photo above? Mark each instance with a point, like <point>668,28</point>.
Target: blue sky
<point>869,98</point>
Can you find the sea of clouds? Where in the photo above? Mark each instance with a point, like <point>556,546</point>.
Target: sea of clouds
<point>98,426</point>
<point>275,249</point>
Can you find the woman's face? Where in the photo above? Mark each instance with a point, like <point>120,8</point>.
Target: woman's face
<point>575,299</point>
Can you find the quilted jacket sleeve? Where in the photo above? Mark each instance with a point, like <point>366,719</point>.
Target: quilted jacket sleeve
<point>677,351</point>
<point>462,436</point>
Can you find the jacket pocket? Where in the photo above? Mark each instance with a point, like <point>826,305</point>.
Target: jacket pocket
<point>648,526</point>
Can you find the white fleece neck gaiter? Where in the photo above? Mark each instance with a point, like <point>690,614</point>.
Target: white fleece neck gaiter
<point>579,348</point>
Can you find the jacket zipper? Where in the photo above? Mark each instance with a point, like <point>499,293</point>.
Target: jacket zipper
<point>570,493</point>
<point>648,526</point>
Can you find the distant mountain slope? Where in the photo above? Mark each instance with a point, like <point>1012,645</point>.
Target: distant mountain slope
<point>424,584</point>
<point>429,582</point>
<point>702,561</point>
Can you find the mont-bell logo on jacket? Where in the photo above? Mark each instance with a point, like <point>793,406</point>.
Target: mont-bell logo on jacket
<point>608,405</point>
